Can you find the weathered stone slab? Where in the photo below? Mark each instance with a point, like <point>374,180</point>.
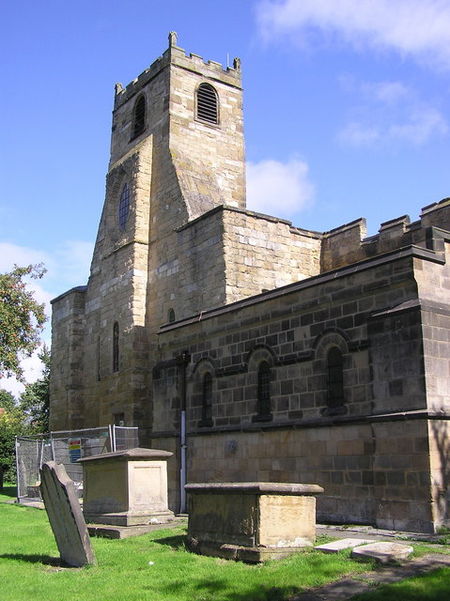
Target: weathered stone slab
<point>343,543</point>
<point>65,516</point>
<point>383,552</point>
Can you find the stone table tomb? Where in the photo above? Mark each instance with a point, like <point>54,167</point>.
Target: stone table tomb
<point>251,521</point>
<point>126,488</point>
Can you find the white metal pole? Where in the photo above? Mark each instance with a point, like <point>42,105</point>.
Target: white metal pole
<point>112,437</point>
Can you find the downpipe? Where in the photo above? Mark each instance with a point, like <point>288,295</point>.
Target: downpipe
<point>183,361</point>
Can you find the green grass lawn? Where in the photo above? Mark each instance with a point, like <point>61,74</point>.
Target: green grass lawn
<point>434,586</point>
<point>153,567</point>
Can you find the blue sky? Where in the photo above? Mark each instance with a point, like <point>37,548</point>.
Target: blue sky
<point>347,110</point>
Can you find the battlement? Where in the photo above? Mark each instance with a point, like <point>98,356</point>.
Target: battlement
<point>176,55</point>
<point>348,243</point>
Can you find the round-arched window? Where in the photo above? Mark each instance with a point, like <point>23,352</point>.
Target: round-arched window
<point>335,366</point>
<point>124,206</point>
<point>207,104</point>
<point>139,116</point>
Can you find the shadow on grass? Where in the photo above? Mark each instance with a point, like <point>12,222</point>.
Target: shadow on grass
<point>175,542</point>
<point>219,587</point>
<point>44,559</point>
<point>9,491</point>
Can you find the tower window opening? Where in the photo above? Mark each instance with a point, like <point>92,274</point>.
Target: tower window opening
<point>124,206</point>
<point>207,104</point>
<point>115,347</point>
<point>139,116</point>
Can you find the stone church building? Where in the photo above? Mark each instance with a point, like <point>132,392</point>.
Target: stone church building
<point>251,348</point>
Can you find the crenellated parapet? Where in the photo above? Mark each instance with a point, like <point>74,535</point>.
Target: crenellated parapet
<point>348,243</point>
<point>177,56</point>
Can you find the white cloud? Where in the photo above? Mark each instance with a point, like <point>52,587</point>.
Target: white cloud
<point>11,254</point>
<point>388,92</point>
<point>359,134</point>
<point>32,370</point>
<point>419,127</point>
<point>280,189</point>
<point>67,266</point>
<point>416,28</point>
<point>389,111</point>
<point>74,257</point>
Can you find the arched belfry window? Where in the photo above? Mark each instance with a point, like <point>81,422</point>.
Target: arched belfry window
<point>335,384</point>
<point>139,112</point>
<point>171,315</point>
<point>264,407</point>
<point>124,206</point>
<point>207,104</point>
<point>115,347</point>
<point>207,388</point>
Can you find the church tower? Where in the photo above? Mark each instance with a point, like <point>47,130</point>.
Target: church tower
<point>177,153</point>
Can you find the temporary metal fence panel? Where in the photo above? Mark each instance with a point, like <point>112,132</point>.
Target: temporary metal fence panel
<point>125,438</point>
<point>66,447</point>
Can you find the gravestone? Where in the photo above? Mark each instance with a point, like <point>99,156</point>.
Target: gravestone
<point>65,516</point>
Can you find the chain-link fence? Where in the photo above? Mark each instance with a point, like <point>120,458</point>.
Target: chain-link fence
<point>66,447</point>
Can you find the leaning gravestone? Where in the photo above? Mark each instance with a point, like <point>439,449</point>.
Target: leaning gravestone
<point>65,516</point>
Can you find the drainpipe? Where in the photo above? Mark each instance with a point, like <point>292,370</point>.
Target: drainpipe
<point>183,360</point>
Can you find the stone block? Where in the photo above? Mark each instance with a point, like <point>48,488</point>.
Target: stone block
<point>65,516</point>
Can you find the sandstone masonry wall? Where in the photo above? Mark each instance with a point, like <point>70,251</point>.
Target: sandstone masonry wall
<point>373,467</point>
<point>263,252</point>
<point>67,358</point>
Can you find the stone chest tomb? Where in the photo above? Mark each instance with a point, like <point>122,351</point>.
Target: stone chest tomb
<point>251,521</point>
<point>126,488</point>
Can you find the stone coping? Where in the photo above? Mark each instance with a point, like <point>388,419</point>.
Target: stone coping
<point>136,454</point>
<point>249,488</point>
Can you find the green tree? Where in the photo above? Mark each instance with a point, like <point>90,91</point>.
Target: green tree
<point>35,400</point>
<point>21,319</point>
<point>12,424</point>
<point>7,400</point>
